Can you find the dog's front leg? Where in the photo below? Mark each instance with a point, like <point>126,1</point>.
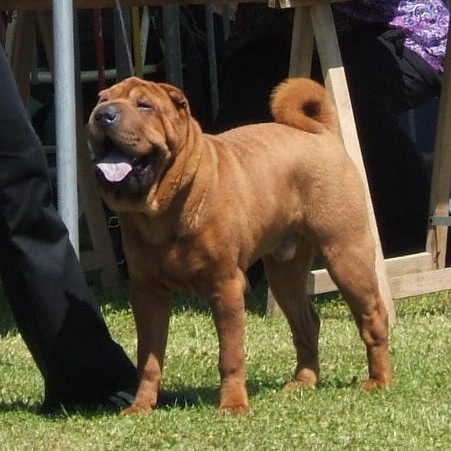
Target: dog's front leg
<point>151,312</point>
<point>228,313</point>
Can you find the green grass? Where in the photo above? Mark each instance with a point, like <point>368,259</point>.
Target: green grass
<point>413,414</point>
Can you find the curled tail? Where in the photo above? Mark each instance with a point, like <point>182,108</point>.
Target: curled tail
<point>304,104</point>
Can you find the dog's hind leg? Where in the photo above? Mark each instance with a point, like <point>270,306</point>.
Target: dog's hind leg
<point>350,263</point>
<point>288,282</point>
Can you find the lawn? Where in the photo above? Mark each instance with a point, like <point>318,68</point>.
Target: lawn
<point>414,414</point>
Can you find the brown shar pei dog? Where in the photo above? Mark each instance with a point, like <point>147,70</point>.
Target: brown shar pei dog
<point>196,210</point>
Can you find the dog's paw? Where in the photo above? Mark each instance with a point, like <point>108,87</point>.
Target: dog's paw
<point>235,409</point>
<point>304,378</point>
<point>136,410</point>
<point>298,385</point>
<point>372,384</point>
<point>234,398</point>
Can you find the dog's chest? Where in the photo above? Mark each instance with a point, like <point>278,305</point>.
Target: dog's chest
<point>176,261</point>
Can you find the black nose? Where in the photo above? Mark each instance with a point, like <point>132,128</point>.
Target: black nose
<point>107,115</point>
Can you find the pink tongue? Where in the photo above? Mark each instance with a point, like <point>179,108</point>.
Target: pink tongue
<point>115,172</point>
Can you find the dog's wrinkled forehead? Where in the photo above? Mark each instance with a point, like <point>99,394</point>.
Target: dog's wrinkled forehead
<point>129,88</point>
<point>137,90</point>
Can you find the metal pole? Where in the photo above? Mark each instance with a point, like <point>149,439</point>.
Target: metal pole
<point>172,51</point>
<point>65,122</point>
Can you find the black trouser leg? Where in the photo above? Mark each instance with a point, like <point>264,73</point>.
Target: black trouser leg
<point>52,305</point>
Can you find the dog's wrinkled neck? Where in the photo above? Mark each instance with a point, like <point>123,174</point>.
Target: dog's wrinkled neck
<point>177,180</point>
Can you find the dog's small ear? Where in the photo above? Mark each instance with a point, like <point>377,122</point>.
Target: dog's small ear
<point>181,103</point>
<point>177,96</point>
<point>103,95</point>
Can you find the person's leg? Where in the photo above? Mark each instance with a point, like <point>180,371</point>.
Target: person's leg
<point>54,309</point>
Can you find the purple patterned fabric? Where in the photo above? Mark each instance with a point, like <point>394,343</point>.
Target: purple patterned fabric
<point>425,23</point>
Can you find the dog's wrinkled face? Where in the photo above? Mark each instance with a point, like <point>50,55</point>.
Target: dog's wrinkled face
<point>134,132</point>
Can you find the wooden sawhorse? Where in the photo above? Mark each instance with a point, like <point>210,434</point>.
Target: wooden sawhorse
<point>408,275</point>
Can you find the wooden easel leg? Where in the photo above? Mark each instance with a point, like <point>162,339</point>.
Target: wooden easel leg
<point>441,172</point>
<point>302,42</point>
<point>46,31</point>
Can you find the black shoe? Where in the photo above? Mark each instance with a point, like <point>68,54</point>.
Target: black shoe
<point>73,399</point>
<point>121,399</point>
<point>166,399</point>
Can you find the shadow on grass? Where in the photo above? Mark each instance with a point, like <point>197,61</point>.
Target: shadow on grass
<point>18,406</point>
<point>167,400</point>
<point>119,298</point>
<point>339,383</point>
<point>255,301</point>
<point>182,398</point>
<point>178,399</point>
<point>7,323</point>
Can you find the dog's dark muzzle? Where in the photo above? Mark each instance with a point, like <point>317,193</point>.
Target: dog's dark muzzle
<point>133,176</point>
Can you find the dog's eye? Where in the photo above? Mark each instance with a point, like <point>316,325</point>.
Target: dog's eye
<point>142,105</point>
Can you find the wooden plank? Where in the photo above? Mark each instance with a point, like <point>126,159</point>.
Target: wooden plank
<point>95,214</point>
<point>89,4</point>
<point>320,282</point>
<point>421,283</point>
<point>402,286</point>
<point>409,264</point>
